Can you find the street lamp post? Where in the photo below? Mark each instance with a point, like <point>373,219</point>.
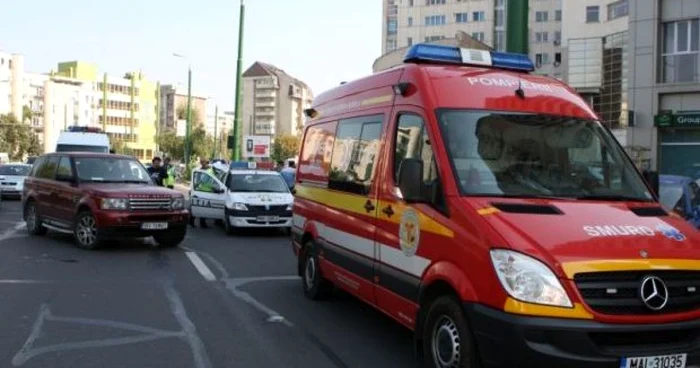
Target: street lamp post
<point>188,124</point>
<point>216,137</point>
<point>239,113</point>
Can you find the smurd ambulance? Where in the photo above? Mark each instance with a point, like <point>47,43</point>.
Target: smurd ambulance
<point>487,210</point>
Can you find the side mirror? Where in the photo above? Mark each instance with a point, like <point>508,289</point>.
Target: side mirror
<point>219,190</point>
<point>411,180</point>
<point>652,178</point>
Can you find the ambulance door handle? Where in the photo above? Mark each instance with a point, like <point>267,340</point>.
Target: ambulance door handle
<point>388,211</point>
<point>369,207</point>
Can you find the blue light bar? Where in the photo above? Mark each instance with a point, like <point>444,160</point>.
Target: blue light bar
<point>422,53</point>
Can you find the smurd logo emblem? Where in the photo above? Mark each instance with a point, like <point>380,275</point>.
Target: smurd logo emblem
<point>670,232</point>
<point>409,232</point>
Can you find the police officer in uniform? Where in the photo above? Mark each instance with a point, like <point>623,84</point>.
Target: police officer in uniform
<point>170,169</point>
<point>203,186</point>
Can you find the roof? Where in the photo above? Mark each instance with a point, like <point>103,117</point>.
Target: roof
<point>261,69</point>
<point>90,155</point>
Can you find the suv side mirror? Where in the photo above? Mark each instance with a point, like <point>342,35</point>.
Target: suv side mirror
<point>411,180</point>
<point>652,178</point>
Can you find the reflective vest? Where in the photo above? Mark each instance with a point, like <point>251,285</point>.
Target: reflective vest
<point>207,185</point>
<point>170,180</point>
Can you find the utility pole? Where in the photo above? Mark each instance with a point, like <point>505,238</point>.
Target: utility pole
<point>216,136</point>
<point>188,126</point>
<point>517,30</point>
<point>239,88</point>
<point>157,115</point>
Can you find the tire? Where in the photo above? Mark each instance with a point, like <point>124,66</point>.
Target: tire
<point>33,220</point>
<point>230,230</point>
<point>85,231</point>
<point>447,340</point>
<point>315,286</point>
<point>170,239</point>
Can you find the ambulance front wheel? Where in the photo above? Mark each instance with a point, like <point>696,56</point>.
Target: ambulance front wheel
<point>315,286</point>
<point>447,341</point>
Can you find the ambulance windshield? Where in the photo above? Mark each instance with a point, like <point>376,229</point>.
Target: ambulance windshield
<point>533,156</point>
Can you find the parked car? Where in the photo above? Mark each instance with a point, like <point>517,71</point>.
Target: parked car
<point>97,196</point>
<point>12,179</point>
<point>682,195</point>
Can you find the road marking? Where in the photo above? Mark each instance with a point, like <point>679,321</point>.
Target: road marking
<point>199,352</point>
<point>233,285</point>
<point>10,233</point>
<point>200,266</point>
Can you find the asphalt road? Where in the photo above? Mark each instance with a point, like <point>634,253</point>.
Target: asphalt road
<point>218,301</point>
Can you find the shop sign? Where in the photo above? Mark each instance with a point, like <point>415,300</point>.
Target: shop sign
<point>677,120</point>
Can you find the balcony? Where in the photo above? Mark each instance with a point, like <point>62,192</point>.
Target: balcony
<point>680,68</point>
<point>267,113</point>
<point>266,93</point>
<point>265,103</point>
<point>266,84</point>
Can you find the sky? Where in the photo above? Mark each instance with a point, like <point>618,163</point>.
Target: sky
<point>321,42</point>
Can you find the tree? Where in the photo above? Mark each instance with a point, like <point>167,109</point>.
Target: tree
<point>284,147</point>
<point>182,115</point>
<point>172,145</point>
<point>17,139</point>
<point>27,114</point>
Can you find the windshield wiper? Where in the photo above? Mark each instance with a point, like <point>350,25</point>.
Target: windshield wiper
<point>613,197</point>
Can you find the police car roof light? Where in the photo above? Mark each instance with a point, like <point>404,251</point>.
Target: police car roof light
<point>454,55</point>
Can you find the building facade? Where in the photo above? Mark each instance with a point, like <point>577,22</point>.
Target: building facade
<point>665,84</point>
<point>406,22</point>
<point>273,101</point>
<point>11,82</point>
<point>62,102</point>
<point>219,125</point>
<point>173,98</point>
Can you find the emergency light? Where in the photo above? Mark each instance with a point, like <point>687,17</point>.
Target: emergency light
<point>422,52</point>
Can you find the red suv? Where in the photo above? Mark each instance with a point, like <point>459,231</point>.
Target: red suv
<point>97,196</point>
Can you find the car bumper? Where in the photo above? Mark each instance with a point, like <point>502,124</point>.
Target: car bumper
<point>507,340</point>
<point>244,219</point>
<point>130,224</point>
<point>11,192</point>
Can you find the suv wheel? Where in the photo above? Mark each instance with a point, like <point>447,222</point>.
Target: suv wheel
<point>34,225</point>
<point>85,231</point>
<point>170,239</point>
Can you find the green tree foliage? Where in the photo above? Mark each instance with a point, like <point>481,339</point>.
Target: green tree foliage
<point>27,114</point>
<point>16,139</point>
<point>284,147</point>
<point>181,114</point>
<point>171,144</point>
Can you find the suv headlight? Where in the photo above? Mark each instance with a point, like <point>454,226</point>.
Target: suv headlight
<point>528,279</point>
<point>114,204</point>
<point>239,206</point>
<point>177,203</point>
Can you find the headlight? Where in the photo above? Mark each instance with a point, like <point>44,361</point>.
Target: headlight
<point>177,203</point>
<point>114,203</point>
<point>528,279</point>
<point>240,206</point>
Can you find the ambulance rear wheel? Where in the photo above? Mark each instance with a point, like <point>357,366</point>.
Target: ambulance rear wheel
<point>447,341</point>
<point>315,286</point>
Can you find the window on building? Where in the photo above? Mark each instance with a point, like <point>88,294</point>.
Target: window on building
<point>355,152</point>
<point>618,9</point>
<point>557,37</point>
<point>499,40</point>
<point>410,2</point>
<point>461,17</point>
<point>541,37</point>
<point>499,17</point>
<point>592,14</point>
<point>557,58</point>
<point>500,3</point>
<point>542,59</point>
<point>479,16</point>
<point>435,20</point>
<point>409,41</point>
<point>435,2</point>
<point>391,45</point>
<point>9,63</point>
<point>434,38</point>
<point>410,21</point>
<point>478,36</point>
<point>541,16</point>
<point>391,26</point>
<point>680,51</point>
<point>557,15</point>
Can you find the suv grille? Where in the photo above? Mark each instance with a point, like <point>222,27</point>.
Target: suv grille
<point>142,204</point>
<point>619,293</point>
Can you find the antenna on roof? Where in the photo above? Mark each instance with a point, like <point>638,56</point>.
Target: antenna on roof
<point>520,92</point>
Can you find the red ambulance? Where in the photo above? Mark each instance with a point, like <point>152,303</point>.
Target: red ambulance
<point>487,210</point>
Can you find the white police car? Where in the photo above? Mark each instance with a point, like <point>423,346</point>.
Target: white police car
<point>242,198</point>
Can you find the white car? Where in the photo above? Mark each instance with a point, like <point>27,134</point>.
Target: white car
<point>12,179</point>
<point>242,199</point>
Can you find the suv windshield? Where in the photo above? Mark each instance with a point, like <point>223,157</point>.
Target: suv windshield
<point>257,183</point>
<point>524,155</point>
<point>16,170</point>
<point>111,170</point>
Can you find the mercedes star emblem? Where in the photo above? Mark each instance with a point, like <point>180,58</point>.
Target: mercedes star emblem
<point>654,293</point>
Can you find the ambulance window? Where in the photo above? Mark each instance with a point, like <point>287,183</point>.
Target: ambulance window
<point>412,142</point>
<point>354,154</point>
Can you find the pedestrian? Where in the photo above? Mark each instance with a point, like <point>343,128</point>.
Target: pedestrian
<point>157,172</point>
<point>203,186</point>
<point>170,169</point>
<point>289,173</point>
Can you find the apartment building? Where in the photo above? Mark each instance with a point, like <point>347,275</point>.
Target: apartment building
<point>11,82</point>
<point>273,101</point>
<point>406,22</point>
<point>174,98</point>
<point>665,84</point>
<point>130,102</point>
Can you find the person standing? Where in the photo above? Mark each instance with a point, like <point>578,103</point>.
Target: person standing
<point>289,173</point>
<point>204,185</point>
<point>170,169</point>
<point>157,172</point>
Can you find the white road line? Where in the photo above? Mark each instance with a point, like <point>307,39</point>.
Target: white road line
<point>200,266</point>
<point>13,231</point>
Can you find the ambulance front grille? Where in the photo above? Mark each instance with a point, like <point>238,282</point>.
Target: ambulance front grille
<point>619,293</point>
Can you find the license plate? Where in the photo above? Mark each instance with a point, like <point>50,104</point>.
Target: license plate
<point>660,361</point>
<point>154,225</point>
<point>268,218</point>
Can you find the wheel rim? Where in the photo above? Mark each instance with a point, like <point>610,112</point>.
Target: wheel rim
<point>31,217</point>
<point>87,231</point>
<point>445,343</point>
<point>310,272</point>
